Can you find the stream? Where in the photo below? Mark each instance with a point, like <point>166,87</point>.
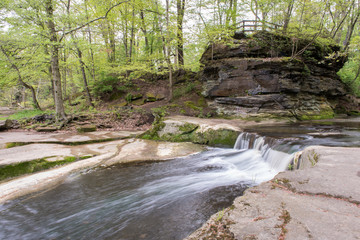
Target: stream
<point>164,200</point>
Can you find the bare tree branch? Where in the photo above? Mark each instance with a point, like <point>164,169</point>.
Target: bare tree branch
<point>21,81</point>
<point>94,20</point>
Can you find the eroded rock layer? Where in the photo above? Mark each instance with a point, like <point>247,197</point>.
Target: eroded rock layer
<point>269,74</point>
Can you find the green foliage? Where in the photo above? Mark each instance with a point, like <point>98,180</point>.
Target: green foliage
<point>129,97</point>
<point>105,85</point>
<point>350,73</point>
<point>183,89</point>
<point>192,105</point>
<point>114,55</point>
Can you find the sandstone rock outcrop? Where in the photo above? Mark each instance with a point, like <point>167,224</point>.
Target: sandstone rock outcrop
<point>267,75</point>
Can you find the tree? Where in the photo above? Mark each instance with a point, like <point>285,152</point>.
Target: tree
<point>180,6</point>
<point>20,78</point>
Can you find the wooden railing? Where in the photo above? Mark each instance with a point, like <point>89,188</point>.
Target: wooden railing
<point>255,25</point>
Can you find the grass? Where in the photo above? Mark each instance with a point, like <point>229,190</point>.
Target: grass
<point>27,114</point>
<point>37,165</point>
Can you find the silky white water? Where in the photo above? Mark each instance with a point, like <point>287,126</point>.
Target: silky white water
<point>166,200</point>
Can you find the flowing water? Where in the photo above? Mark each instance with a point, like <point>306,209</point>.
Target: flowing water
<point>165,200</point>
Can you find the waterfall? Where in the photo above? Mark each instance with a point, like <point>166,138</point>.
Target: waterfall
<point>278,160</point>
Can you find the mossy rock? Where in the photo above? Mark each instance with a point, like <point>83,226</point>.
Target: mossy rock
<point>150,97</point>
<point>133,96</point>
<point>159,97</point>
<point>138,102</point>
<point>218,138</point>
<point>136,96</point>
<point>86,128</point>
<point>189,132</point>
<point>325,112</point>
<point>120,105</point>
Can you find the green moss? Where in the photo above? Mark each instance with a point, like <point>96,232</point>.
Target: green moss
<point>86,128</point>
<point>354,113</point>
<point>316,115</point>
<point>138,102</point>
<point>188,128</point>
<point>85,157</point>
<point>192,105</point>
<point>15,144</point>
<point>202,102</point>
<point>152,133</point>
<point>183,89</point>
<point>37,165</point>
<point>306,71</point>
<point>219,138</point>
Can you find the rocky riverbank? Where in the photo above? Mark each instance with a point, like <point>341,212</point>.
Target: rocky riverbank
<point>320,201</point>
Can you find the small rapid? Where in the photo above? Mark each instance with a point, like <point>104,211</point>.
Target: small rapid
<point>163,200</point>
<point>166,200</point>
<point>267,148</point>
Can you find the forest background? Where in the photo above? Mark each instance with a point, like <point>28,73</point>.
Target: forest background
<point>55,53</point>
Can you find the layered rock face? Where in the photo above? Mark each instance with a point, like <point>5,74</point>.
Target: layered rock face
<point>273,75</point>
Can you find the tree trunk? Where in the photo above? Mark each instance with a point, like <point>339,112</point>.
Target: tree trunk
<point>228,14</point>
<point>105,35</point>
<point>126,36</point>
<point>54,56</point>
<point>350,31</point>
<point>143,29</point>
<point>234,13</point>
<point>168,51</point>
<point>64,73</point>
<point>112,42</point>
<point>82,64</point>
<point>132,37</point>
<point>83,73</point>
<point>90,43</point>
<point>180,41</point>
<point>288,15</point>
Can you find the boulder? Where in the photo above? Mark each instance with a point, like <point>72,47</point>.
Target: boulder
<point>5,124</point>
<point>160,97</point>
<point>133,96</point>
<point>150,97</point>
<point>138,102</point>
<point>44,117</point>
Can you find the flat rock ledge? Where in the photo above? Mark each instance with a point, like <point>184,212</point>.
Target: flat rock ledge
<point>319,201</point>
<point>105,154</point>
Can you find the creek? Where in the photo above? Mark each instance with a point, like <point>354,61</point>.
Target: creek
<point>164,200</point>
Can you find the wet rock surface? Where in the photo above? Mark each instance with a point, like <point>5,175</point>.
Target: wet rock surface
<point>320,201</point>
<point>102,146</point>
